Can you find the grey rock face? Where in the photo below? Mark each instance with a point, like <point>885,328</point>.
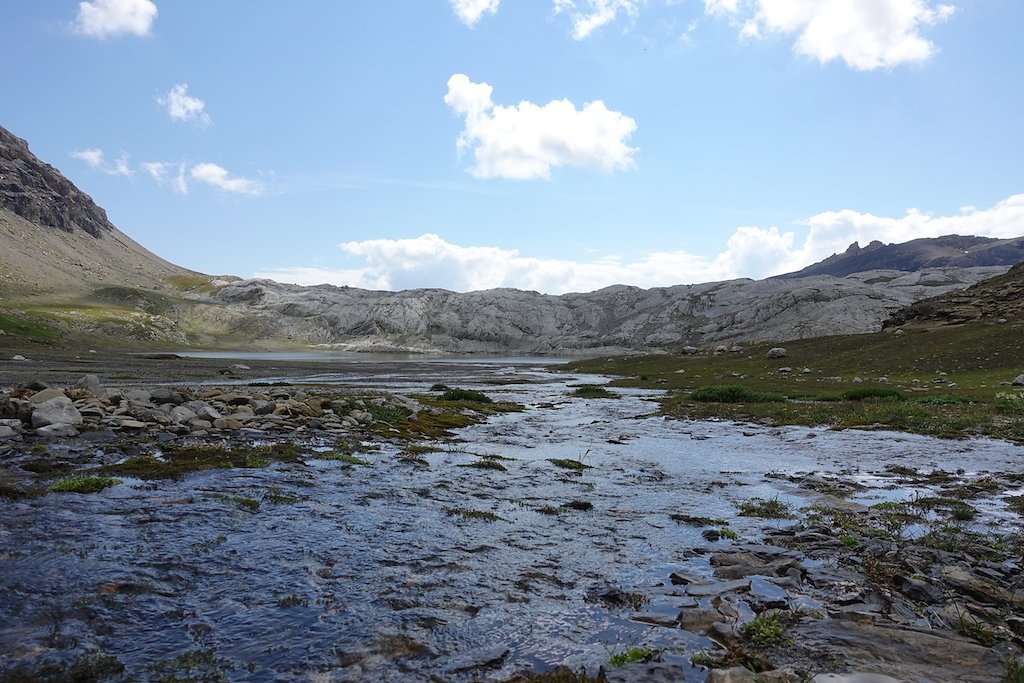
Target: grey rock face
<point>58,410</point>
<point>612,319</point>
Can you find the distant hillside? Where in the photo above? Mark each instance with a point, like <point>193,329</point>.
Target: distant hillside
<point>55,241</point>
<point>998,299</point>
<point>949,251</point>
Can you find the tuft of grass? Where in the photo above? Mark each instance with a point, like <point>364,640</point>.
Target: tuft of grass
<point>728,533</point>
<point>468,514</point>
<point>177,462</point>
<point>346,458</point>
<point>567,464</point>
<point>580,505</point>
<point>292,601</point>
<point>766,509</point>
<point>593,391</point>
<point>466,395</point>
<point>733,393</point>
<point>764,631</point>
<point>633,654</point>
<point>486,465</point>
<point>82,484</point>
<point>250,504</point>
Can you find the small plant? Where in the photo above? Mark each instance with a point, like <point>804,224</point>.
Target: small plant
<point>250,504</point>
<point>440,387</point>
<point>38,449</point>
<point>82,484</point>
<point>1010,402</point>
<point>486,465</point>
<point>849,541</point>
<point>963,513</point>
<point>633,654</point>
<point>766,509</point>
<point>472,514</point>
<point>593,391</point>
<point>346,458</point>
<point>728,533</point>
<point>568,464</point>
<point>466,395</point>
<point>292,601</point>
<point>764,631</point>
<point>733,393</point>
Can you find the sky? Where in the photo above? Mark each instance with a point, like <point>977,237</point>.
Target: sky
<point>549,145</point>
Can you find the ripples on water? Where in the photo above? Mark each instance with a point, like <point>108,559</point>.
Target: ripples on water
<point>360,573</point>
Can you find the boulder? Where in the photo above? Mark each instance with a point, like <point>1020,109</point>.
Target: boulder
<point>1018,381</point>
<point>689,350</point>
<point>57,431</point>
<point>45,395</point>
<point>776,352</point>
<point>9,434</point>
<point>92,384</point>
<point>57,410</point>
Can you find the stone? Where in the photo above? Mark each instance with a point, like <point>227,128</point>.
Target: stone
<point>9,434</point>
<point>1018,381</point>
<point>698,620</point>
<point>62,431</point>
<point>165,396</point>
<point>776,352</point>
<point>45,395</point>
<point>898,333</point>
<point>19,358</point>
<point>92,384</point>
<point>132,424</point>
<point>138,395</point>
<point>226,423</point>
<point>854,678</point>
<point>58,410</point>
<point>689,350</point>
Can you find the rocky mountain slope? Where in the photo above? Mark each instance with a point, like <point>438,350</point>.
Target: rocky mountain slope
<point>948,251</point>
<point>999,299</point>
<point>55,241</point>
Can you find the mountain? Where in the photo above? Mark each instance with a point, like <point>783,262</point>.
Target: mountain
<point>67,270</point>
<point>949,251</point>
<point>55,241</point>
<point>999,299</point>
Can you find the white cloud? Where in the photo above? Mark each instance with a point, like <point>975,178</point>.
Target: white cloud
<point>865,34</point>
<point>469,12</point>
<point>527,140</point>
<point>96,159</point>
<point>104,18</point>
<point>597,13</point>
<point>183,107</point>
<point>218,177</point>
<point>430,261</point>
<point>160,172</point>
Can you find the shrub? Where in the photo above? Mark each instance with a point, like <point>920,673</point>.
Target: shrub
<point>733,393</point>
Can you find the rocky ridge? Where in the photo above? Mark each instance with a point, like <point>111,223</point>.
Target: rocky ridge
<point>610,320</point>
<point>1000,298</point>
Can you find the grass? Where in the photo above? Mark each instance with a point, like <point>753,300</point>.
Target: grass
<point>82,484</point>
<point>567,464</point>
<point>471,515</point>
<point>633,654</point>
<point>466,395</point>
<point>593,391</point>
<point>28,327</point>
<point>976,356</point>
<point>346,458</point>
<point>486,465</point>
<point>764,631</point>
<point>766,509</point>
<point>178,462</point>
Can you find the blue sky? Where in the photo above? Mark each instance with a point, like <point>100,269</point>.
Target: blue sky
<point>548,145</point>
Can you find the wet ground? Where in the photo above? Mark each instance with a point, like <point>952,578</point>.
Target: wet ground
<point>397,571</point>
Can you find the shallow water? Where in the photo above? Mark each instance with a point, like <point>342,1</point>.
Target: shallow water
<point>360,573</point>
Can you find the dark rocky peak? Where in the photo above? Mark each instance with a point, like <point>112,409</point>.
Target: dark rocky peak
<point>40,194</point>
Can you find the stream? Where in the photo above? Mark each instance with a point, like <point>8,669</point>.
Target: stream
<point>372,573</point>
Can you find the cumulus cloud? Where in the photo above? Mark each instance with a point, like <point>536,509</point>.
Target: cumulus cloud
<point>430,261</point>
<point>865,34</point>
<point>469,12</point>
<point>595,13</point>
<point>183,107</point>
<point>527,140</point>
<point>218,177</point>
<point>96,159</point>
<point>170,174</point>
<point>105,18</point>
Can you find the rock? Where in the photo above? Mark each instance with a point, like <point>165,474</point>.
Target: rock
<point>92,384</point>
<point>898,333</point>
<point>973,585</point>
<point>238,366</point>
<point>1018,381</point>
<point>720,349</point>
<point>776,352</point>
<point>132,424</point>
<point>9,434</point>
<point>55,431</point>
<point>226,423</point>
<point>698,620</point>
<point>45,395</point>
<point>165,396</point>
<point>19,358</point>
<point>57,410</point>
<point>854,678</point>
<point>689,350</point>
<point>138,396</point>
<point>857,380</point>
<point>785,370</point>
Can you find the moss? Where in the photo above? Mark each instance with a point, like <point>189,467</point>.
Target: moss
<point>567,464</point>
<point>82,484</point>
<point>693,520</point>
<point>466,395</point>
<point>193,665</point>
<point>346,458</point>
<point>486,465</point>
<point>580,505</point>
<point>292,601</point>
<point>177,462</point>
<point>249,504</point>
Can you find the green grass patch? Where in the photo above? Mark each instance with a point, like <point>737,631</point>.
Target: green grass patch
<point>27,327</point>
<point>593,391</point>
<point>873,394</point>
<point>766,509</point>
<point>633,654</point>
<point>733,393</point>
<point>567,464</point>
<point>466,395</point>
<point>346,458</point>
<point>82,484</point>
<point>486,465</point>
<point>764,631</point>
<point>178,462</point>
<point>471,515</point>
